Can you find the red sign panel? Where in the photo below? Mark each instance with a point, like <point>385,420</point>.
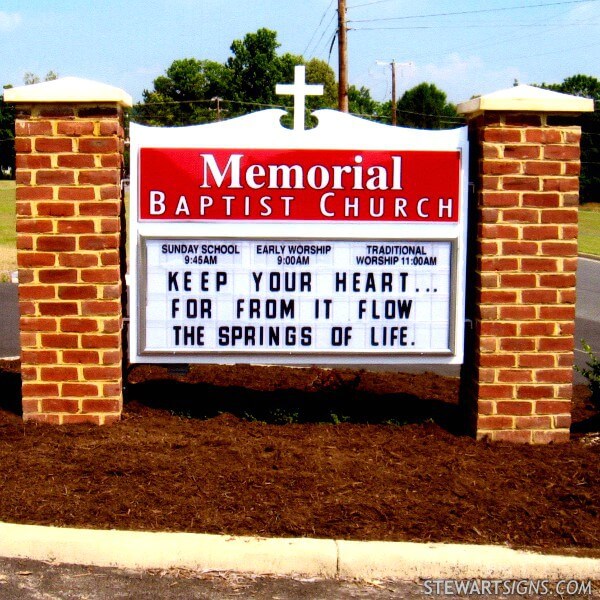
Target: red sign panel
<point>183,184</point>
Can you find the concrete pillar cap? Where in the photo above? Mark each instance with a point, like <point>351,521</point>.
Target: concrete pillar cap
<point>68,89</point>
<point>526,98</point>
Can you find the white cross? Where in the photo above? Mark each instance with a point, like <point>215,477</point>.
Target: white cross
<point>299,89</point>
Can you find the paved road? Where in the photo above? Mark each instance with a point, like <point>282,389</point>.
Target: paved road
<point>587,324</point>
<point>31,580</point>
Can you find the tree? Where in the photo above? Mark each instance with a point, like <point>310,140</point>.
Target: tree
<point>193,91</point>
<point>31,78</point>
<point>586,87</point>
<point>360,103</point>
<point>187,93</point>
<point>426,107</point>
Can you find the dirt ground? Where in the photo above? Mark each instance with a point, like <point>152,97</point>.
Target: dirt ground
<point>369,456</point>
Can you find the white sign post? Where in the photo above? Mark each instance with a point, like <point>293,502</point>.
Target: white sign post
<point>255,243</point>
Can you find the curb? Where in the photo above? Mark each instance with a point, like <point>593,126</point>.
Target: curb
<point>285,556</point>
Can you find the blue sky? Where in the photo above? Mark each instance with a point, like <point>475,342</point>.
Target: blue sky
<point>128,43</point>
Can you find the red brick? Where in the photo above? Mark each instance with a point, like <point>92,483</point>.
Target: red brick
<point>569,232</point>
<point>75,128</point>
<point>564,375</point>
<point>569,264</point>
<point>500,135</point>
<point>536,360</point>
<point>79,390</point>
<point>38,357</point>
<point>36,292</point>
<point>494,422</point>
<point>55,177</point>
<point>495,392</point>
<point>78,325</point>
<point>110,258</point>
<point>495,328</point>
<point>59,374</point>
<point>101,307</point>
<point>111,325</point>
<point>37,324</point>
<point>520,248</point>
<point>100,341</point>
<point>56,243</point>
<point>110,128</point>
<point>105,275</point>
<point>78,193</point>
<point>521,151</point>
<point>59,405</point>
<point>543,167</point>
<point>541,200</point>
<point>560,344</point>
<point>500,167</point>
<point>99,177</point>
<point>36,259</point>
<point>112,357</point>
<point>77,292</point>
<point>111,192</point>
<point>101,145</point>
<point>567,215</point>
<point>520,215</point>
<point>517,313</point>
<point>101,405</point>
<point>489,215</point>
<point>521,183</point>
<point>539,265</point>
<point>60,340</point>
<point>539,296</point>
<point>517,344</point>
<point>558,313</point>
<point>561,152</point>
<point>498,264</point>
<point>39,390</point>
<point>32,128</point>
<point>533,422</point>
<point>514,407</point>
<point>560,248</point>
<point>81,419</point>
<point>55,209</point>
<point>23,177</point>
<point>33,161</point>
<point>58,275</point>
<point>517,280</point>
<point>497,360</point>
<point>24,242</point>
<point>110,226</point>
<point>76,226</point>
<point>562,421</point>
<point>507,232</point>
<point>112,389</point>
<point>515,376</point>
<point>568,296</point>
<point>554,436</point>
<point>80,357</point>
<point>76,161</point>
<point>33,193</point>
<point>498,297</point>
<point>561,184</point>
<point>58,309</point>
<point>559,280</point>
<point>523,120</point>
<point>52,145</point>
<point>98,242</point>
<point>514,436</point>
<point>543,136</point>
<point>102,373</point>
<point>78,260</point>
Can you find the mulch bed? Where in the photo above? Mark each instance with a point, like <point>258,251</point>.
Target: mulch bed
<point>370,456</point>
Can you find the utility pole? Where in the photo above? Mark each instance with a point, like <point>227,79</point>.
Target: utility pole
<point>393,65</point>
<point>343,57</point>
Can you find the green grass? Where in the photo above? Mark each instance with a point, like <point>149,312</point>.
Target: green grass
<point>8,235</point>
<point>589,228</point>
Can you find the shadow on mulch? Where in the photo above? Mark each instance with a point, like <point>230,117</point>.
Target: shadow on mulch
<point>344,404</point>
<point>10,386</point>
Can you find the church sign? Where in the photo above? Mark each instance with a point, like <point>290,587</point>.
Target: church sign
<point>342,244</point>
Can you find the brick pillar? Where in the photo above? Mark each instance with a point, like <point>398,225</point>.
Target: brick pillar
<point>519,366</point>
<point>69,146</point>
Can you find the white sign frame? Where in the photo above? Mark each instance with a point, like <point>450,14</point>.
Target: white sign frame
<point>262,130</point>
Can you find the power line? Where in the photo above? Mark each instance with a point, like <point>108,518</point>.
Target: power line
<point>317,28</point>
<point>472,26</point>
<point>468,12</point>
